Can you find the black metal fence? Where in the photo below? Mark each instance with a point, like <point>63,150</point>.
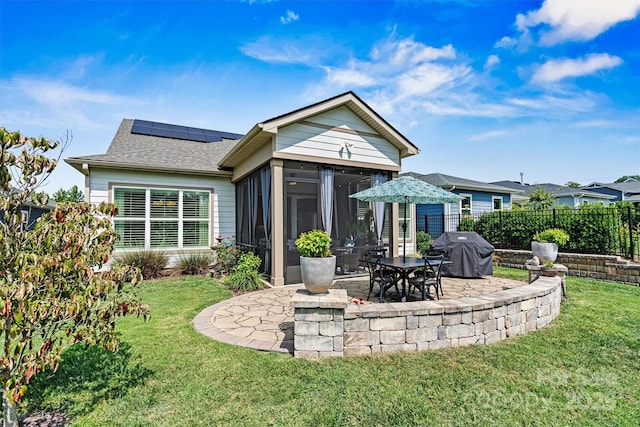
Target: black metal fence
<point>612,230</point>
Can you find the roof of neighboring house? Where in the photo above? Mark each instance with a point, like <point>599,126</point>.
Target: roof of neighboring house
<point>263,131</point>
<point>449,182</point>
<point>145,151</point>
<point>51,204</point>
<point>556,190</point>
<point>630,186</point>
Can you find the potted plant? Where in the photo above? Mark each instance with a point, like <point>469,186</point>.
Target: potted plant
<point>549,269</point>
<point>545,244</point>
<point>317,264</point>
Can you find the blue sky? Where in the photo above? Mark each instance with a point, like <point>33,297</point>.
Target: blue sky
<point>486,89</point>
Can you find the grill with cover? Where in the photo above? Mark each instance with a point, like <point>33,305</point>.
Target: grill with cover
<point>469,253</point>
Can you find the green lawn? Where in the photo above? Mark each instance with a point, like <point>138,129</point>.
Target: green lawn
<point>583,369</point>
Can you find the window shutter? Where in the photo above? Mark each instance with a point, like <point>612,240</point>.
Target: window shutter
<point>131,202</point>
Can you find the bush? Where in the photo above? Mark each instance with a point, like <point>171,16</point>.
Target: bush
<point>423,241</point>
<point>552,235</point>
<point>150,263</point>
<point>314,244</point>
<point>245,275</point>
<point>195,263</point>
<point>466,223</point>
<point>225,257</point>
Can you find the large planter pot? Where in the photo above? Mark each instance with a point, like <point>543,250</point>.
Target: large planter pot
<point>317,273</point>
<point>546,252</point>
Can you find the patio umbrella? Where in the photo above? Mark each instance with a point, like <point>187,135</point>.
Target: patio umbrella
<point>406,189</point>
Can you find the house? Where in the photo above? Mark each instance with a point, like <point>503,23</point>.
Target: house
<point>626,191</point>
<point>179,188</point>
<point>478,197</point>
<point>31,212</point>
<point>563,195</point>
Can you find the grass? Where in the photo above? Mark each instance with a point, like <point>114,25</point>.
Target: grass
<point>583,369</point>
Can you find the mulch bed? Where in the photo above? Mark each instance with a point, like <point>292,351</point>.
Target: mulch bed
<point>44,419</point>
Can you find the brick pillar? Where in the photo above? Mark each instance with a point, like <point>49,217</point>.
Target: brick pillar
<point>319,323</point>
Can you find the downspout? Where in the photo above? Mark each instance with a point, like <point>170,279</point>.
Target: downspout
<point>87,182</point>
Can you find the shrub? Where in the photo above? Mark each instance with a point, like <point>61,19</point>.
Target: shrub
<point>466,223</point>
<point>423,241</point>
<point>195,263</point>
<point>314,244</point>
<point>150,263</point>
<point>552,235</point>
<point>225,257</point>
<point>245,275</point>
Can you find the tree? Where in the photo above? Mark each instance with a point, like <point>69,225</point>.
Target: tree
<point>626,177</point>
<point>541,199</point>
<point>51,292</point>
<point>71,195</point>
<point>573,184</point>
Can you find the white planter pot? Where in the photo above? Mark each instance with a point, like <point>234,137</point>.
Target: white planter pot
<point>546,252</point>
<point>317,273</point>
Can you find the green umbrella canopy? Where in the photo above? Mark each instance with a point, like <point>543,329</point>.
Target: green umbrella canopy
<point>406,189</point>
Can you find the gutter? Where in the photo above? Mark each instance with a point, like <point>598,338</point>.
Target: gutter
<point>84,166</point>
<point>239,147</point>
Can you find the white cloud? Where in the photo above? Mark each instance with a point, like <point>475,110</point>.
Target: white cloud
<point>427,78</point>
<point>57,94</point>
<point>492,62</point>
<point>401,68</point>
<point>576,20</point>
<point>348,77</point>
<point>402,77</point>
<point>289,17</point>
<point>49,103</point>
<point>488,135</point>
<point>506,42</point>
<point>467,105</point>
<point>595,123</point>
<point>408,52</point>
<point>554,105</point>
<point>555,70</point>
<point>283,51</point>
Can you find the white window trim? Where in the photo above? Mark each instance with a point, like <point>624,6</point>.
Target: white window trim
<point>493,206</point>
<point>180,219</point>
<point>470,203</point>
<point>410,224</point>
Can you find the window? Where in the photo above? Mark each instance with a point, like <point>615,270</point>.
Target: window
<point>497,203</point>
<point>161,218</point>
<point>465,204</point>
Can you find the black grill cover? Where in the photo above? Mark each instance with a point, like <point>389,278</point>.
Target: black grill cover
<point>469,253</point>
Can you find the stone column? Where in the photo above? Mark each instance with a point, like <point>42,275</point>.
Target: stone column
<point>319,323</point>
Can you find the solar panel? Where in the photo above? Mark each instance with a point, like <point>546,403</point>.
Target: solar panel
<point>164,130</point>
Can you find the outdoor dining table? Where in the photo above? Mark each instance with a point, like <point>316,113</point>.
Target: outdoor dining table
<point>405,266</point>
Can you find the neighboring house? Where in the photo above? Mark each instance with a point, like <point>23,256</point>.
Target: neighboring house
<point>179,189</point>
<point>563,195</point>
<point>627,191</point>
<point>478,197</point>
<point>31,212</point>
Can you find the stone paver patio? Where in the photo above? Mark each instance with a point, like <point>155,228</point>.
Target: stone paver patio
<point>263,320</point>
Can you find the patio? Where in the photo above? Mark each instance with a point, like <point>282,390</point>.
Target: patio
<point>263,320</point>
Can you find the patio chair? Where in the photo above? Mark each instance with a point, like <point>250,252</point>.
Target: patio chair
<point>383,277</point>
<point>430,276</point>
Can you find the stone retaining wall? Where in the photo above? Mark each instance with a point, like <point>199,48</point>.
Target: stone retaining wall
<point>601,267</point>
<point>329,326</point>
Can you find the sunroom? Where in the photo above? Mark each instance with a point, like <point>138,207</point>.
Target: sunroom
<point>295,172</point>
